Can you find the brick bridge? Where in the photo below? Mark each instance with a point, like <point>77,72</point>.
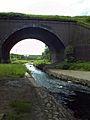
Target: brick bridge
<point>57,35</point>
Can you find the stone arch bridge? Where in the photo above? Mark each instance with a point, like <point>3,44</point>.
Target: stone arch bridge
<point>57,35</point>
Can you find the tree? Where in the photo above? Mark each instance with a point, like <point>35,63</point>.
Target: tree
<point>46,55</point>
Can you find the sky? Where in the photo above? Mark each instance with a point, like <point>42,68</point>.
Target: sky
<point>29,47</point>
<point>44,7</point>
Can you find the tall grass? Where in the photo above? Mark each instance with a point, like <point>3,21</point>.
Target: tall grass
<point>12,70</point>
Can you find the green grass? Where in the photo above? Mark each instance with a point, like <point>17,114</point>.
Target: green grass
<point>12,70</point>
<point>14,116</point>
<point>84,66</point>
<point>80,66</point>
<point>85,20</point>
<point>20,61</point>
<point>21,108</point>
<point>38,62</point>
<point>35,62</point>
<point>41,63</point>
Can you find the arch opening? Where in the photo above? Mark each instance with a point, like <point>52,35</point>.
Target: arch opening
<point>28,47</point>
<point>50,39</point>
<point>28,50</point>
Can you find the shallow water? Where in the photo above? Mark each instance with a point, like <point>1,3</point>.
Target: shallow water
<point>74,96</point>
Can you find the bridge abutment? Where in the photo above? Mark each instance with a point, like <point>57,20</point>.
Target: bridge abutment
<point>4,56</point>
<point>58,57</point>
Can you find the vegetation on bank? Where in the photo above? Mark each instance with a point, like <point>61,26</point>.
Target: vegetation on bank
<point>45,58</point>
<point>21,110</point>
<point>21,61</point>
<point>41,63</point>
<point>79,19</point>
<point>69,64</point>
<point>14,57</point>
<point>17,68</point>
<point>12,70</point>
<point>85,66</point>
<point>35,62</point>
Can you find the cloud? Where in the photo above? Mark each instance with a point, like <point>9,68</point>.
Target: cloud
<point>28,47</point>
<point>85,12</point>
<point>51,7</point>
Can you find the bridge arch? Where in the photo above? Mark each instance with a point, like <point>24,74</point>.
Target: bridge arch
<point>50,39</point>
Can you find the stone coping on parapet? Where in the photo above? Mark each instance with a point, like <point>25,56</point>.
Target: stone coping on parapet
<point>80,77</point>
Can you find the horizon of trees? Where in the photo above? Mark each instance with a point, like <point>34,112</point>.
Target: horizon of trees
<point>46,55</point>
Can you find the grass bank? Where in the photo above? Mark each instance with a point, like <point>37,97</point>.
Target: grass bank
<point>84,66</point>
<point>41,63</point>
<point>38,62</point>
<point>20,61</point>
<point>35,62</point>
<point>12,70</point>
<point>85,20</point>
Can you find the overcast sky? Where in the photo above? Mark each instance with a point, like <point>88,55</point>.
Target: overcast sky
<point>51,7</point>
<point>45,7</point>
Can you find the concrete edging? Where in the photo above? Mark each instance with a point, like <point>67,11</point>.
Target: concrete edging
<point>66,77</point>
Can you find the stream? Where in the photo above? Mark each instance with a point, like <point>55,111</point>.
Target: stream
<point>76,97</point>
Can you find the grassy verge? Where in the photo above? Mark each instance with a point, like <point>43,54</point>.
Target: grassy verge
<point>12,70</point>
<point>35,62</point>
<point>21,110</point>
<point>80,66</point>
<point>41,63</point>
<point>38,62</point>
<point>85,66</point>
<point>85,20</point>
<point>21,61</point>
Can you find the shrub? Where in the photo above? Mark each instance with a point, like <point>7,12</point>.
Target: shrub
<point>64,65</point>
<point>80,66</point>
<point>69,53</point>
<point>88,19</point>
